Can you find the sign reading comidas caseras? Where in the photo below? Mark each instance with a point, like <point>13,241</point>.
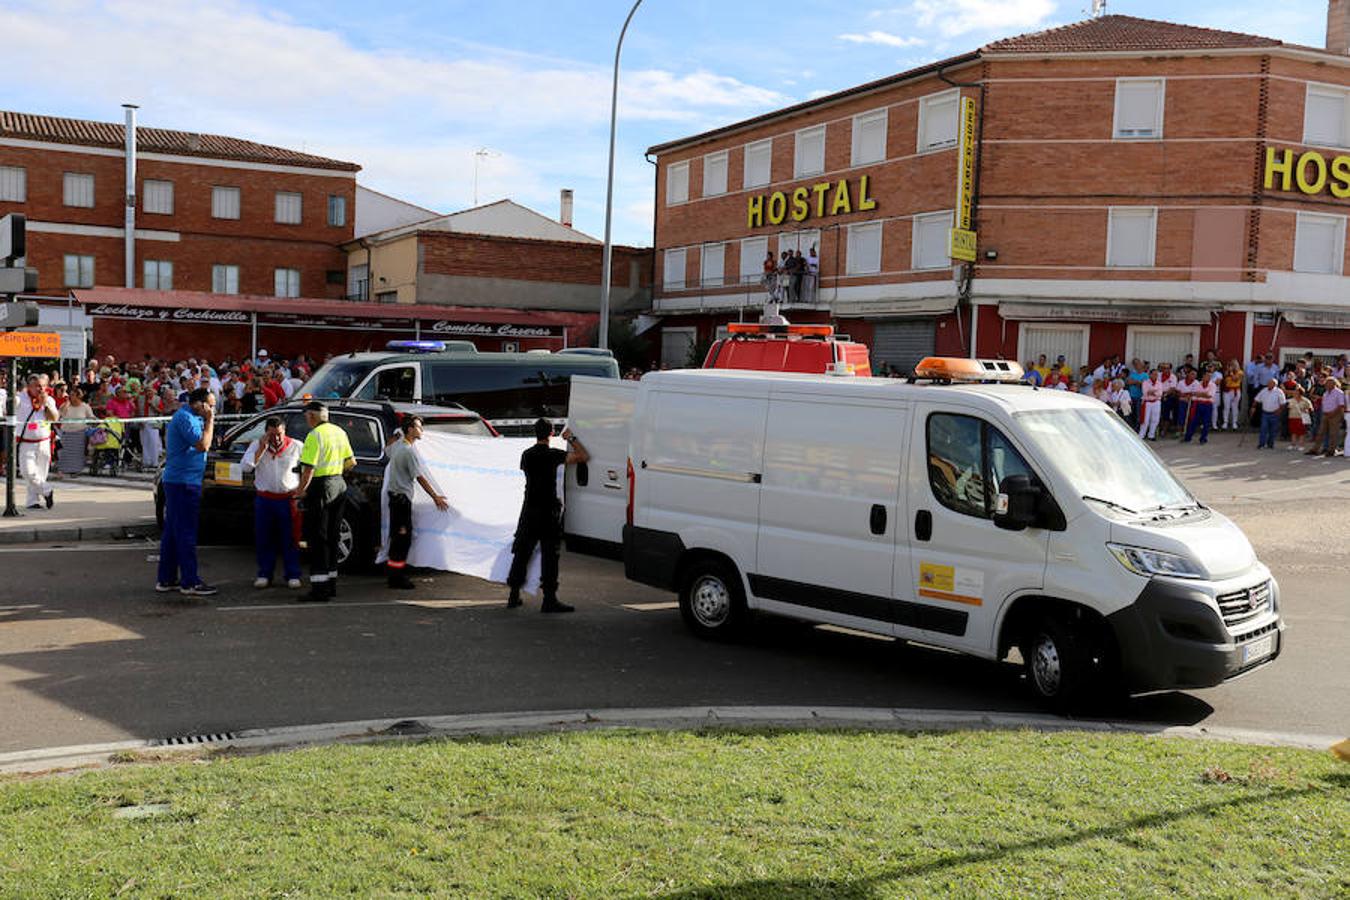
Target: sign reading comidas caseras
<point>185,315</point>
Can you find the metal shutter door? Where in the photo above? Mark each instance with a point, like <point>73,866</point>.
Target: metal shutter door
<point>901,344</point>
<point>1158,347</point>
<point>1054,341</point>
<point>675,346</point>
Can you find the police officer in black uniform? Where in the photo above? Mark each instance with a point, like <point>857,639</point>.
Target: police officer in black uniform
<point>541,514</point>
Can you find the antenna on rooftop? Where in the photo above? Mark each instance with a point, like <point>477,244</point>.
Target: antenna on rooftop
<point>1098,8</point>
<point>479,155</point>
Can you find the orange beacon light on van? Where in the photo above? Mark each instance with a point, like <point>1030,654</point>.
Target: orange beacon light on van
<point>955,368</point>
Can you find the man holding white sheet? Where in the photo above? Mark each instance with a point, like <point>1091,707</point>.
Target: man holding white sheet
<point>541,514</point>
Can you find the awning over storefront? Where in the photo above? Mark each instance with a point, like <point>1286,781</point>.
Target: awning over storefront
<point>1316,318</point>
<point>1139,314</point>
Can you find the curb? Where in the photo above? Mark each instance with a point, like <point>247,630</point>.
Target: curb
<point>661,718</point>
<point>41,535</point>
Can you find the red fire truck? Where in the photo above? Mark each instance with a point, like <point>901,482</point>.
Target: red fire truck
<point>814,349</point>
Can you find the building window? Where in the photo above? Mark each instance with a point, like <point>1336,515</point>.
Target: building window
<point>930,234</point>
<point>78,190</point>
<point>677,183</point>
<point>337,210</point>
<point>386,297</point>
<point>869,137</point>
<point>79,271</point>
<point>287,282</point>
<point>225,279</point>
<point>715,174</point>
<point>673,279</point>
<point>677,346</point>
<point>938,116</point>
<point>157,275</point>
<point>288,208</point>
<point>794,241</point>
<point>157,197</point>
<point>1139,108</point>
<point>758,163</point>
<point>864,249</point>
<point>714,261</point>
<point>14,184</point>
<point>224,202</point>
<point>1324,118</point>
<point>809,156</point>
<point>753,251</point>
<point>1130,235</point>
<point>358,282</point>
<point>1319,244</point>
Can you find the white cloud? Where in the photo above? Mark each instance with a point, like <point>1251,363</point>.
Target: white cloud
<point>952,18</point>
<point>884,38</point>
<point>411,120</point>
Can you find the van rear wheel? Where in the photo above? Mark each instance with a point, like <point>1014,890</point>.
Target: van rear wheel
<point>712,600</point>
<point>1065,665</point>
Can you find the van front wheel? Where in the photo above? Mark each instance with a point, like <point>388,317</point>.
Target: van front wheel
<point>1062,668</point>
<point>712,600</point>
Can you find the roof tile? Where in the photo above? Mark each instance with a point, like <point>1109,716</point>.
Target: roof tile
<point>1127,33</point>
<point>85,133</point>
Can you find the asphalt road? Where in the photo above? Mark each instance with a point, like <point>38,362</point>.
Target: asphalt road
<point>89,653</point>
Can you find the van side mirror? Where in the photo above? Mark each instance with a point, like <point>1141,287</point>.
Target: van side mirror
<point>1018,503</point>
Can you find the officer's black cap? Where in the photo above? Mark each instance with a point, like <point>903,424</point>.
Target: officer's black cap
<point>315,406</point>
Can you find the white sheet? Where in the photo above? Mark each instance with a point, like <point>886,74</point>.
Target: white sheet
<point>482,480</point>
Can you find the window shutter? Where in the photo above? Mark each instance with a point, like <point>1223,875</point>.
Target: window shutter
<point>1131,237</point>
<point>225,202</point>
<point>78,190</point>
<point>157,197</point>
<point>715,174</point>
<point>930,235</point>
<point>1319,244</point>
<point>753,251</point>
<point>758,162</point>
<point>713,263</point>
<point>864,249</point>
<point>869,138</point>
<point>677,183</point>
<point>1137,108</point>
<point>810,155</point>
<point>1324,118</point>
<point>14,184</point>
<point>938,121</point>
<point>674,270</point>
<point>288,208</point>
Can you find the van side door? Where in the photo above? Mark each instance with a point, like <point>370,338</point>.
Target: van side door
<point>830,504</point>
<point>600,414</point>
<point>963,567</point>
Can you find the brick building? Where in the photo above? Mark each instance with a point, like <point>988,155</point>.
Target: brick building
<point>1136,187</point>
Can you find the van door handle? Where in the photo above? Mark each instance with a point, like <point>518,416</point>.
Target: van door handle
<point>923,525</point>
<point>878,519</point>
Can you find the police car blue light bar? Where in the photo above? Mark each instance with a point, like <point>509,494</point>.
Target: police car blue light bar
<point>417,346</point>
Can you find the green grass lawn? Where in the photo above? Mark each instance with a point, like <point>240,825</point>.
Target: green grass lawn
<point>719,814</point>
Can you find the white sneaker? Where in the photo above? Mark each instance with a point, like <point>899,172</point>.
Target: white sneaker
<point>294,584</point>
<point>261,582</point>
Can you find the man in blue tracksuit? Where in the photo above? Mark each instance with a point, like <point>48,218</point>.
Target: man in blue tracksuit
<point>187,437</point>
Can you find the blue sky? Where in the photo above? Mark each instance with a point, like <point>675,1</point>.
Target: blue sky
<point>410,90</point>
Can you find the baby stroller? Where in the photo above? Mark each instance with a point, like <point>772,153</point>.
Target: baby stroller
<point>107,439</point>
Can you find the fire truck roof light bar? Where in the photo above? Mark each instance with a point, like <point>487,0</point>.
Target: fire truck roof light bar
<point>754,328</point>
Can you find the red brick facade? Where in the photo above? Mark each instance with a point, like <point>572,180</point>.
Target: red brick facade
<point>1051,170</point>
<point>191,238</point>
<point>526,259</point>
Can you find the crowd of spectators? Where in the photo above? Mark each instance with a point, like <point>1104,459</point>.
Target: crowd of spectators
<point>1302,402</point>
<point>109,390</point>
<point>792,277</point>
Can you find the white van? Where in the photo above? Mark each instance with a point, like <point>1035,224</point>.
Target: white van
<point>973,516</point>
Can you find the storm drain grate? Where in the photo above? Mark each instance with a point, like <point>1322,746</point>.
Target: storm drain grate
<point>186,740</point>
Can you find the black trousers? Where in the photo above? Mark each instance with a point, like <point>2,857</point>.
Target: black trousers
<point>324,503</point>
<point>542,527</point>
<point>400,529</point>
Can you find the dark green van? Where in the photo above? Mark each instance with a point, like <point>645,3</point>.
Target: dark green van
<point>509,390</point>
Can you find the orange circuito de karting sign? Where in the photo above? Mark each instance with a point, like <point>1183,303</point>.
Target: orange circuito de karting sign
<point>33,344</point>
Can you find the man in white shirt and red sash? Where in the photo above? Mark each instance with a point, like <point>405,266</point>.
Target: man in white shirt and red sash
<point>274,459</point>
<point>36,411</point>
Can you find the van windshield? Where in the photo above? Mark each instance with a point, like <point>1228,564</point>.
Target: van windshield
<point>336,379</point>
<point>1103,458</point>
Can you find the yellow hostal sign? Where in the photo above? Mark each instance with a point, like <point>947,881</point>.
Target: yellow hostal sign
<point>961,245</point>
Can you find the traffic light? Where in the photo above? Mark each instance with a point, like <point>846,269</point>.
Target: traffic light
<point>18,315</point>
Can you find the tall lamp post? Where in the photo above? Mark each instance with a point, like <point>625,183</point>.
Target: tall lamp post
<point>607,267</point>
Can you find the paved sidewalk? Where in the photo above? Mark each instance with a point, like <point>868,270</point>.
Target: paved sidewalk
<point>86,509</point>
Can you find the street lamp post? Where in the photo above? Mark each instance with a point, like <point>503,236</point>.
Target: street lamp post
<point>607,267</point>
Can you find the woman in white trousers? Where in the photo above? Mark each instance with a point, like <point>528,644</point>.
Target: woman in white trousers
<point>1151,412</point>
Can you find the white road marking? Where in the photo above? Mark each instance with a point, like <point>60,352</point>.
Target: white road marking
<point>391,604</point>
<point>651,607</point>
<point>70,548</point>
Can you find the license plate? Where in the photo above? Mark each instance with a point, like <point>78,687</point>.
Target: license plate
<point>1258,649</point>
